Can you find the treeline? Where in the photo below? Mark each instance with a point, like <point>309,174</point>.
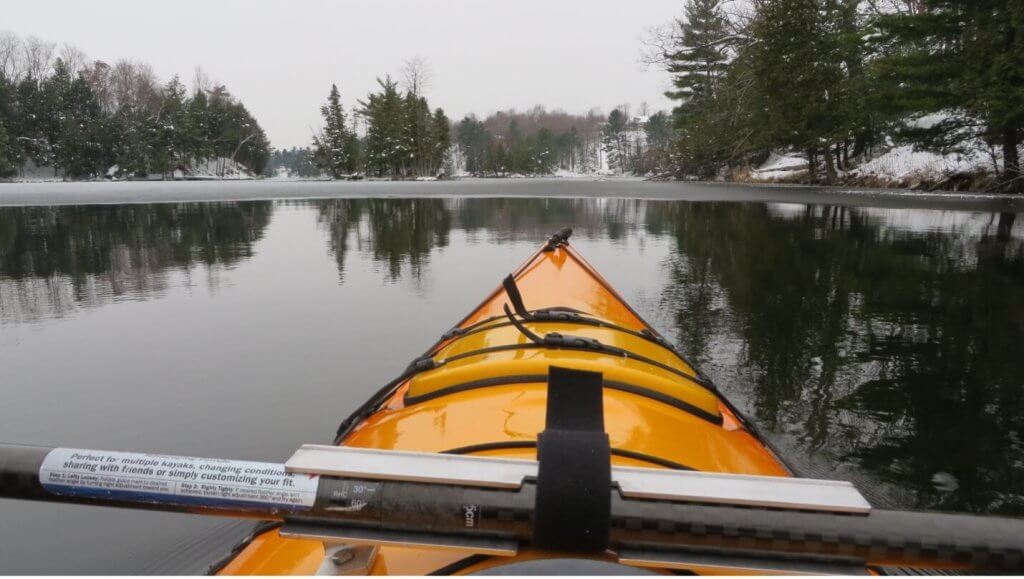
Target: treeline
<point>639,145</point>
<point>539,142</point>
<point>82,118</point>
<point>837,79</point>
<point>294,162</point>
<point>534,142</point>
<point>392,133</point>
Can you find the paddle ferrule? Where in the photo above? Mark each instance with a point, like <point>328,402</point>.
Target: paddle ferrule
<point>19,472</point>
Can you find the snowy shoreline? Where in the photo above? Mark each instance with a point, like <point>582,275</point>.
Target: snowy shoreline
<point>975,168</point>
<point>134,192</point>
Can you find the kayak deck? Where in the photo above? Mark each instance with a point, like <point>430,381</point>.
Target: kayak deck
<point>482,390</point>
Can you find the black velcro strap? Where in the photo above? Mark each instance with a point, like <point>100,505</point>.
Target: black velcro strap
<point>573,505</point>
<point>575,400</point>
<point>509,283</point>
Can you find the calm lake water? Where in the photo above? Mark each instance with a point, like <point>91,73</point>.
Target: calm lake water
<point>879,345</point>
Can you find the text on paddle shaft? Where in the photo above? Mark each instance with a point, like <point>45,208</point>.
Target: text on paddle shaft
<point>178,469</point>
<point>179,480</point>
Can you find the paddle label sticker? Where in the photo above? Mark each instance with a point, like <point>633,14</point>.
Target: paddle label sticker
<point>178,480</point>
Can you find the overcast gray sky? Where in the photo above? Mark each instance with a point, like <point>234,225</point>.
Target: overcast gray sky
<point>280,58</point>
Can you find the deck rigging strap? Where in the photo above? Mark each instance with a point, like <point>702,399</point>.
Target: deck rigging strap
<point>425,362</point>
<point>638,390</point>
<point>563,315</point>
<point>559,315</point>
<point>572,511</point>
<point>512,291</point>
<point>556,340</point>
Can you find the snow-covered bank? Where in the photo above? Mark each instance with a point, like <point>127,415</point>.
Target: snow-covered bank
<point>218,169</point>
<point>907,165</point>
<point>779,167</point>
<point>904,167</point>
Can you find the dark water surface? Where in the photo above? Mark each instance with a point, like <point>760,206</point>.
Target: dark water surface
<point>879,345</point>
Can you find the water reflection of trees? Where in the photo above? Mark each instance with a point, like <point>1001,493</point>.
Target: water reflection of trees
<point>398,233</point>
<point>515,219</point>
<point>892,349</point>
<point>54,259</point>
<point>889,346</point>
<point>402,233</point>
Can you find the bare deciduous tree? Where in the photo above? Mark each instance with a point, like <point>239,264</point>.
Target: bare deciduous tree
<point>73,58</point>
<point>201,81</point>
<point>658,42</point>
<point>12,56</point>
<point>134,84</point>
<point>38,57</point>
<point>417,75</point>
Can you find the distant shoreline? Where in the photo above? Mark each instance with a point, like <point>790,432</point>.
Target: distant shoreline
<point>133,192</point>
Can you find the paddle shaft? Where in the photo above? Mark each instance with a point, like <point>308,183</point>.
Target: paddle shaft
<point>881,537</point>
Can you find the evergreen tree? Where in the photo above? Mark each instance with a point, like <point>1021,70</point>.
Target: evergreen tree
<point>178,135</point>
<point>474,142</point>
<point>353,147</point>
<point>614,142</point>
<point>964,58</point>
<point>797,62</point>
<point>497,160</point>
<point>658,133</point>
<point>218,112</point>
<point>10,154</point>
<point>199,115</point>
<point>245,141</point>
<point>82,153</point>
<point>387,148</point>
<point>568,149</point>
<point>71,123</point>
<point>416,129</point>
<point>519,154</point>
<point>138,141</point>
<point>545,154</point>
<point>10,151</point>
<point>29,125</point>
<point>699,63</point>
<point>701,59</point>
<point>333,146</point>
<point>441,138</point>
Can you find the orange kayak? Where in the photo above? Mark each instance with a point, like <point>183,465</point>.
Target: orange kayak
<point>482,390</point>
